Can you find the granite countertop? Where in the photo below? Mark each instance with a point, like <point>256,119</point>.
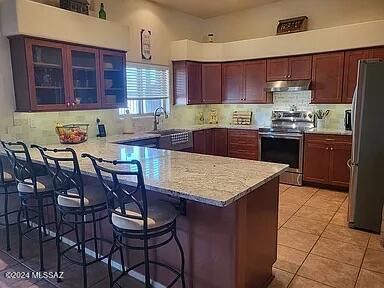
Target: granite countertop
<point>212,180</point>
<point>256,127</point>
<point>329,131</point>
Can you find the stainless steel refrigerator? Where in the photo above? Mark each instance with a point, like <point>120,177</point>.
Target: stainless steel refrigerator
<point>366,191</point>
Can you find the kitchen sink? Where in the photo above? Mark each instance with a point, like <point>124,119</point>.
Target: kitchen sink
<point>174,139</point>
<point>167,132</point>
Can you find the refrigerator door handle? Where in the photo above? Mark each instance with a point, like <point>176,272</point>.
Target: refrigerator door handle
<point>349,163</point>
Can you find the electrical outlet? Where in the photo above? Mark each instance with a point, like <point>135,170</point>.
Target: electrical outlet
<point>33,123</point>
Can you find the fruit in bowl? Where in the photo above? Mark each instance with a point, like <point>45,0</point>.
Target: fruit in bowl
<point>72,133</point>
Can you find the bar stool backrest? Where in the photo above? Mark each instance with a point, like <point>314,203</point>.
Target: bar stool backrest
<point>20,158</point>
<point>115,170</point>
<point>64,179</point>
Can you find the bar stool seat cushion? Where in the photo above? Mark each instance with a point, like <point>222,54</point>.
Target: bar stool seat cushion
<point>159,213</point>
<point>93,195</point>
<point>8,177</point>
<point>43,184</point>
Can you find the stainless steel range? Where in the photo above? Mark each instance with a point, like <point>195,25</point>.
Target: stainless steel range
<point>283,142</point>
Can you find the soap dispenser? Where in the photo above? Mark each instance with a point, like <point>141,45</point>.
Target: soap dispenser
<point>128,123</point>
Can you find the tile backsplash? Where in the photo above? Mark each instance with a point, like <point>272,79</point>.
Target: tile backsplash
<point>182,115</point>
<point>40,127</point>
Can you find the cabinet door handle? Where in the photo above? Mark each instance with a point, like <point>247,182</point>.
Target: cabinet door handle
<point>327,148</point>
<point>68,104</point>
<point>331,148</point>
<point>289,76</point>
<point>73,103</point>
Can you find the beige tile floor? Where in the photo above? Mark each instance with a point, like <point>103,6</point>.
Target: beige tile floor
<point>316,248</point>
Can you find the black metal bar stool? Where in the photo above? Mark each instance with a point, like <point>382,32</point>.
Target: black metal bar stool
<point>6,181</point>
<point>34,188</point>
<point>133,218</point>
<point>74,202</point>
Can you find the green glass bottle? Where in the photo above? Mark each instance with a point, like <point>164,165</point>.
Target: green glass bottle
<point>102,14</point>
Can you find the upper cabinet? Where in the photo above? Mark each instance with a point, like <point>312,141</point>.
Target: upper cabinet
<point>187,82</point>
<point>84,78</point>
<point>233,81</point>
<point>350,72</point>
<point>327,77</point>
<point>211,83</point>
<point>113,79</point>
<point>54,76</point>
<point>255,73</point>
<point>289,68</point>
<point>333,78</point>
<point>352,58</point>
<point>244,82</point>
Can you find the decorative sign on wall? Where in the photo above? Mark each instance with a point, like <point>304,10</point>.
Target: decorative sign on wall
<point>292,25</point>
<point>146,44</point>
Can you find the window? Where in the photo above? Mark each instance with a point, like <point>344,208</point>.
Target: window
<point>147,88</point>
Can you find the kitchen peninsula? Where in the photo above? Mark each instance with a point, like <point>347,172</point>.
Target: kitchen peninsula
<point>229,232</point>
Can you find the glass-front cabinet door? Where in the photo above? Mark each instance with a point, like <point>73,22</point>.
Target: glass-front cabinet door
<point>113,86</point>
<point>47,77</point>
<point>84,77</point>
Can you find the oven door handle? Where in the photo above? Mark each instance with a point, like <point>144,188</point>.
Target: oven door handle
<point>281,135</point>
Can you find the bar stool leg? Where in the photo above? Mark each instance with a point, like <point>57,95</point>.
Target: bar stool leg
<point>95,234</point>
<point>6,217</point>
<point>110,274</point>
<point>84,260</point>
<point>40,225</point>
<point>122,256</point>
<point>43,219</point>
<point>182,257</point>
<point>146,264</point>
<point>58,252</point>
<point>20,231</point>
<point>77,235</point>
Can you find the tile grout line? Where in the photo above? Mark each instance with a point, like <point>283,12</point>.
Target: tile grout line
<point>319,236</point>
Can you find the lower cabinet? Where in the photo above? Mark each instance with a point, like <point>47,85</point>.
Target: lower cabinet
<point>210,141</point>
<point>243,144</point>
<point>325,159</point>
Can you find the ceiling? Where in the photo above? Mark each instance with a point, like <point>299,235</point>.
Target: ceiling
<point>211,8</point>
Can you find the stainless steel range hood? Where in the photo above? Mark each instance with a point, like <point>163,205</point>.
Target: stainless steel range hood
<point>287,86</point>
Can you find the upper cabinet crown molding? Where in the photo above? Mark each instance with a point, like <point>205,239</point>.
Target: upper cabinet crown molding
<point>18,17</point>
<point>359,35</point>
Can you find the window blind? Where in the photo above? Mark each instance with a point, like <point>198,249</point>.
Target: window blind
<point>146,82</point>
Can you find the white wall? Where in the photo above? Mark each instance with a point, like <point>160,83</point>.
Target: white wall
<point>7,98</point>
<point>262,20</point>
<point>166,26</point>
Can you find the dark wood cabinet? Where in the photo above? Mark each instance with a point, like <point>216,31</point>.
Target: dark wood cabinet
<point>210,141</point>
<point>54,76</point>
<point>254,82</point>
<point>377,52</point>
<point>199,142</point>
<point>244,82</point>
<point>113,79</point>
<point>325,159</point>
<point>243,144</point>
<point>300,68</point>
<point>84,77</point>
<point>277,69</point>
<point>187,82</point>
<point>327,77</point>
<point>45,78</point>
<point>221,141</point>
<point>289,68</point>
<point>352,58</point>
<point>211,83</point>
<point>232,82</point>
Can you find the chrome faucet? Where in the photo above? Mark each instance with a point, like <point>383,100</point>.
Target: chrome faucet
<point>157,115</point>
